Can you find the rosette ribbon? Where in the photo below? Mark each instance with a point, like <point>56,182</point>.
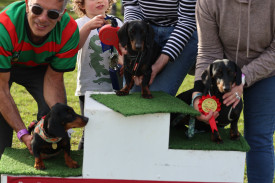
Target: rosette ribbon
<point>210,103</point>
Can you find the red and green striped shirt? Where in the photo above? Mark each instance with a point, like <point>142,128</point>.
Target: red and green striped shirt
<point>59,49</point>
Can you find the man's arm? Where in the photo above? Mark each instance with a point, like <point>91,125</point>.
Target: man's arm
<point>54,88</point>
<point>9,110</point>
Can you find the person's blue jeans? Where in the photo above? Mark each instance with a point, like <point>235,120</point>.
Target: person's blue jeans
<point>259,121</point>
<point>172,76</point>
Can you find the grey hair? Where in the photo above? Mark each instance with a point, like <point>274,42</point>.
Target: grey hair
<point>63,7</point>
<point>64,4</point>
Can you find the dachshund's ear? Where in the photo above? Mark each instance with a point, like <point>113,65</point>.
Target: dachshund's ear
<point>207,78</point>
<point>123,34</point>
<point>149,36</point>
<point>54,125</point>
<point>238,74</point>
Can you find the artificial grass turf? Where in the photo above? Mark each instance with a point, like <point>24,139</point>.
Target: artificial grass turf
<point>21,162</point>
<point>202,141</point>
<point>134,104</point>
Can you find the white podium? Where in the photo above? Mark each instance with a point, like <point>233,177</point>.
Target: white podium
<point>136,148</point>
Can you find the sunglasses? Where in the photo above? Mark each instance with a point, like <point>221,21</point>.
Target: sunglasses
<point>37,10</point>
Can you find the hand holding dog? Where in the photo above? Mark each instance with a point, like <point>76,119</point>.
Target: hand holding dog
<point>231,98</point>
<point>27,141</point>
<point>158,66</point>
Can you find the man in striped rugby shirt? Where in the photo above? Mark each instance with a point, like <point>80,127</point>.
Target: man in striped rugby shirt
<point>38,43</point>
<point>175,31</point>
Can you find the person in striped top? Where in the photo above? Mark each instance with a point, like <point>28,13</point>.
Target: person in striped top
<point>38,43</point>
<point>175,31</point>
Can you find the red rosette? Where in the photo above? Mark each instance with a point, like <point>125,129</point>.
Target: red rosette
<point>108,35</point>
<point>207,103</point>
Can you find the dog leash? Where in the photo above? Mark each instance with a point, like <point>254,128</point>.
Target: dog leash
<point>191,127</point>
<point>136,63</point>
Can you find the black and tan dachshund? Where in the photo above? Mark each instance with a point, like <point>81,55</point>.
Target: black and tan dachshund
<point>142,52</point>
<point>50,134</point>
<point>218,79</point>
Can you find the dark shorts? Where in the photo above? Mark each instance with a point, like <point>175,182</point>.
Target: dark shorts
<point>32,79</point>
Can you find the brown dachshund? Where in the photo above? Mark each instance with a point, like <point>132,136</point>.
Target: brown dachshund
<point>50,134</point>
<point>218,79</point>
<point>142,52</point>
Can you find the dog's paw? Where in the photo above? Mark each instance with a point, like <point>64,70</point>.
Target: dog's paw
<point>39,166</point>
<point>69,161</point>
<point>235,136</point>
<point>72,164</point>
<point>215,137</point>
<point>122,93</point>
<point>219,141</point>
<point>147,96</point>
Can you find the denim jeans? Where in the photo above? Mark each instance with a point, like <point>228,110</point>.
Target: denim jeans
<point>172,76</point>
<point>259,121</point>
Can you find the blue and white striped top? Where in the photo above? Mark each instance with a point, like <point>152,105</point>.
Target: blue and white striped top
<point>177,13</point>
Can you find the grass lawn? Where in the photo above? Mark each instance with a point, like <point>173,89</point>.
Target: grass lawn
<point>28,108</point>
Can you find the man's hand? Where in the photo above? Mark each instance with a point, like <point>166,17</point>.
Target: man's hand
<point>27,140</point>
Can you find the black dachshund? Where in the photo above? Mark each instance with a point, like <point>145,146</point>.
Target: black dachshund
<point>142,52</point>
<point>218,79</point>
<point>50,134</point>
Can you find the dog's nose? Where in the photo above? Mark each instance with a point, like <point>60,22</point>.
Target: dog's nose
<point>138,46</point>
<point>85,119</point>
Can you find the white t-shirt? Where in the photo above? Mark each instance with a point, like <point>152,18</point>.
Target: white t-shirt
<point>93,63</point>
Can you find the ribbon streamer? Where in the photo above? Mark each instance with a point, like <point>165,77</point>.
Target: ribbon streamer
<point>210,103</point>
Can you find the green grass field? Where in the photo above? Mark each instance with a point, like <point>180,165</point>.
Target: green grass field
<point>28,107</point>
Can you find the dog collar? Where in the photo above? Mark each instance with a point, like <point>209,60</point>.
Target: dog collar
<point>39,129</point>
